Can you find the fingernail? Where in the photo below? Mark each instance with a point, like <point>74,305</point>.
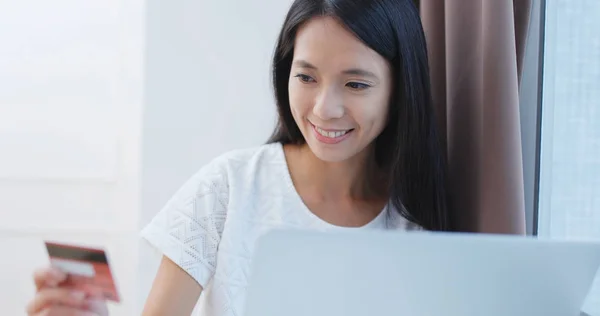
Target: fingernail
<point>78,295</point>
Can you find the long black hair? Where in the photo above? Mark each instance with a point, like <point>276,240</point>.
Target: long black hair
<point>408,150</point>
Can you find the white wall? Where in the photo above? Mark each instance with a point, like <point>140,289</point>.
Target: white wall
<point>106,108</point>
<point>71,76</point>
<point>207,91</point>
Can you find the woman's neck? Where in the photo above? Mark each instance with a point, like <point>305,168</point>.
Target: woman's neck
<point>355,178</point>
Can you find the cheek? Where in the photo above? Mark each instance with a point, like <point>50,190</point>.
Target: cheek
<point>373,118</point>
<point>383,109</point>
<point>383,115</point>
<point>300,101</point>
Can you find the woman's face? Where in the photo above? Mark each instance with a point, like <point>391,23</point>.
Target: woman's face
<point>339,90</point>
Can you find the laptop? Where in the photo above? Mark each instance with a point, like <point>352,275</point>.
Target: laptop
<point>301,273</point>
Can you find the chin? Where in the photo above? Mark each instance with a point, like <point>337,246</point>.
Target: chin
<point>331,154</point>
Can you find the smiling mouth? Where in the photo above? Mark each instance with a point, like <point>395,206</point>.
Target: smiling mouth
<point>332,134</point>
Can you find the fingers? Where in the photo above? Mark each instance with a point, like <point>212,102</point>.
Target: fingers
<point>51,277</point>
<point>64,311</point>
<point>52,299</point>
<point>56,296</point>
<point>97,306</point>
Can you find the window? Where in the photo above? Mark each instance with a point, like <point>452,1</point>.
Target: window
<point>569,178</point>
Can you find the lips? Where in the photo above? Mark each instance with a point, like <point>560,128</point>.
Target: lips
<point>331,136</point>
<point>332,133</point>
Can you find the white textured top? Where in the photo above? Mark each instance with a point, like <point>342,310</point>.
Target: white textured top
<point>210,226</point>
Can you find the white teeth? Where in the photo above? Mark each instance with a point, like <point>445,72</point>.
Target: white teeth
<point>331,134</point>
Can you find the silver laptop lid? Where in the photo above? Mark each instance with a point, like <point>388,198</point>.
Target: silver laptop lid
<point>299,273</point>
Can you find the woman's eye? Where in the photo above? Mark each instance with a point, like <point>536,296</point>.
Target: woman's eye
<point>357,85</point>
<point>304,78</point>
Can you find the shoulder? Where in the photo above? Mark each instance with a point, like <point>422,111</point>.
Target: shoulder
<point>188,228</point>
<point>241,164</point>
<point>250,156</point>
<point>233,168</point>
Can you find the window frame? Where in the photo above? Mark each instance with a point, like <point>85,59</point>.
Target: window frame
<point>530,108</point>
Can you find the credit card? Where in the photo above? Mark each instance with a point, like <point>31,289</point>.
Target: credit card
<point>87,268</point>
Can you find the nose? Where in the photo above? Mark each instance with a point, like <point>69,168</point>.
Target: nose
<point>329,105</point>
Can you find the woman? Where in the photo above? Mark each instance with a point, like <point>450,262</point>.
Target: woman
<point>356,147</point>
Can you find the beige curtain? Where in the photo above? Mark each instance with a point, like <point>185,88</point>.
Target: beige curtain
<point>476,51</point>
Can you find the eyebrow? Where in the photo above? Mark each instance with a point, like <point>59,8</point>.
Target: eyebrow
<point>352,71</point>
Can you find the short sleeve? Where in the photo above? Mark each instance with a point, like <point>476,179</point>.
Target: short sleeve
<point>188,228</point>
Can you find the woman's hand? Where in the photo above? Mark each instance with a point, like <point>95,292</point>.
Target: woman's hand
<point>53,298</point>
